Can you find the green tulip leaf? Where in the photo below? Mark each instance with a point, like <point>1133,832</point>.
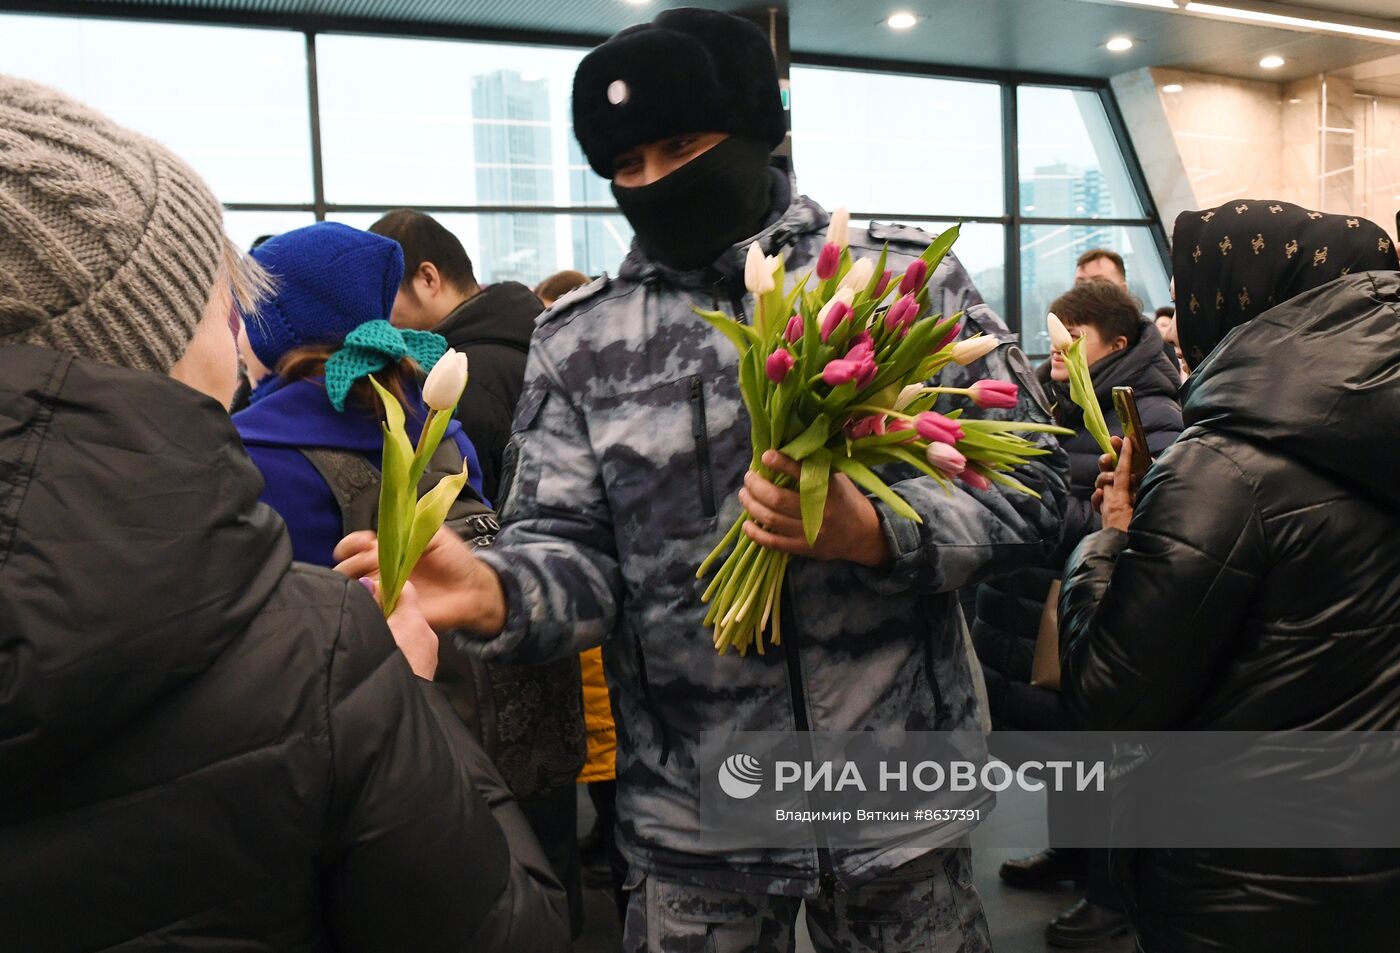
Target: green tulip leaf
<point>865,478</point>
<point>428,517</point>
<point>938,248</point>
<point>740,335</point>
<point>816,435</point>
<point>812,487</point>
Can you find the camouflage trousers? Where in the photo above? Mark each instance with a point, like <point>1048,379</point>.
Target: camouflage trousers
<point>928,906</point>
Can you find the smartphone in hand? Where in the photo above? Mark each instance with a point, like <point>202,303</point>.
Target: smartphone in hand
<point>1125,405</point>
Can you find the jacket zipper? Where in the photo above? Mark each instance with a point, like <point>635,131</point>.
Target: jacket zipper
<point>826,878</point>
<point>701,432</point>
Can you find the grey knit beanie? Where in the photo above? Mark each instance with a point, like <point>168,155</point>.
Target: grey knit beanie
<point>108,242</point>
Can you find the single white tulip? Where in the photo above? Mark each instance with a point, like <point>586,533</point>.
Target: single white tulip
<point>908,395</point>
<point>859,275</point>
<point>838,232</point>
<point>446,381</point>
<point>974,349</point>
<point>758,271</point>
<point>1060,338</point>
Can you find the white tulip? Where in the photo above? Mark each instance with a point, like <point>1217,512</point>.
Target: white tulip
<point>758,270</point>
<point>974,349</point>
<point>838,232</point>
<point>1060,338</point>
<point>862,270</point>
<point>446,382</point>
<point>907,396</point>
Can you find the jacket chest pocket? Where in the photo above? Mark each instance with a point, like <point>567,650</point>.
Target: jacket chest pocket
<point>656,454</point>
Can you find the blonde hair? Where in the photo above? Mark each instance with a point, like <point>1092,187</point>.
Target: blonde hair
<point>249,281</point>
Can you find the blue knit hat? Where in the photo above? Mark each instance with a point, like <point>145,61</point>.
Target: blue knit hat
<point>331,279</point>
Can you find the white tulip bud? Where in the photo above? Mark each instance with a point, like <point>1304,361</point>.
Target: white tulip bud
<point>1060,338</point>
<point>859,275</point>
<point>758,271</point>
<point>908,395</point>
<point>446,381</point>
<point>838,232</point>
<point>974,349</point>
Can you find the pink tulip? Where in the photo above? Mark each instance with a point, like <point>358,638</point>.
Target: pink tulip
<point>976,480</point>
<point>899,425</point>
<point>914,277</point>
<point>991,394</point>
<point>874,425</point>
<point>779,365</point>
<point>837,312</point>
<point>883,284</point>
<point>862,348</point>
<point>946,459</point>
<point>867,374</point>
<point>795,329</point>
<point>902,313</point>
<point>828,261</point>
<point>840,372</point>
<point>937,428</point>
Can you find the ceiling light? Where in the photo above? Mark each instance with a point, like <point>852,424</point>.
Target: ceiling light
<point>1172,88</point>
<point>1119,44</point>
<point>1292,22</point>
<point>1272,61</point>
<point>901,21</point>
<point>1295,101</point>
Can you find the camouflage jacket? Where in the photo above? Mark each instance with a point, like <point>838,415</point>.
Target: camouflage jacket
<point>630,445</point>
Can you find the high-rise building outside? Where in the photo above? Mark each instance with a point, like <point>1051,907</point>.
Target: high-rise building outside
<point>511,134</point>
<point>600,242</point>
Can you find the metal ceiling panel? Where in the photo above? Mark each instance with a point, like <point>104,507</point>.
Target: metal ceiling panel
<point>1063,37</point>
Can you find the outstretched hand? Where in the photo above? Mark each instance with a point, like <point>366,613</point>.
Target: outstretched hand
<point>455,590</point>
<point>850,526</point>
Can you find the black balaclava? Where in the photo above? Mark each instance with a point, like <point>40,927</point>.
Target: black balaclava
<point>687,219</point>
<point>1237,261</point>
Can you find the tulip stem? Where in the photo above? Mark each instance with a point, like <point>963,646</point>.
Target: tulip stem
<point>423,434</point>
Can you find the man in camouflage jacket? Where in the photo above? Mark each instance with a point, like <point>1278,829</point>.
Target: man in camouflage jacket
<point>631,444</point>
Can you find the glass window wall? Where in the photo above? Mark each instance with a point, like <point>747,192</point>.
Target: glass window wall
<point>478,134</point>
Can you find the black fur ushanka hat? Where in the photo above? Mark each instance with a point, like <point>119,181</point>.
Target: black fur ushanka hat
<point>689,70</point>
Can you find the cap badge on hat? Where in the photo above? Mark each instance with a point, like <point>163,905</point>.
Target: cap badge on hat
<point>618,93</point>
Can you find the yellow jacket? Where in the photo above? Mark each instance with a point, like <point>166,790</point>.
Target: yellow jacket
<point>597,713</point>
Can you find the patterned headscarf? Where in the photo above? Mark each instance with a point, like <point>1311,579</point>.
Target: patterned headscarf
<point>1237,261</point>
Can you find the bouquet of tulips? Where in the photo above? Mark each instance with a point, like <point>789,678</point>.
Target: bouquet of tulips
<point>406,523</point>
<point>840,374</point>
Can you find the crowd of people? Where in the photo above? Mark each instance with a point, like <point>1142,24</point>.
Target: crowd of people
<point>211,737</point>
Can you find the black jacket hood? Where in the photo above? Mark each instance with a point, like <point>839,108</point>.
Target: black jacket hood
<point>133,549</point>
<point>503,313</point>
<point>1316,378</point>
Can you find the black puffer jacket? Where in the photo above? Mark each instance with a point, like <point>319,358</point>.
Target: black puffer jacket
<point>493,329</point>
<point>202,745</point>
<point>1009,607</point>
<point>1258,588</point>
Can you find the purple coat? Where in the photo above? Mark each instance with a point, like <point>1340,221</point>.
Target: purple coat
<point>286,417</point>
